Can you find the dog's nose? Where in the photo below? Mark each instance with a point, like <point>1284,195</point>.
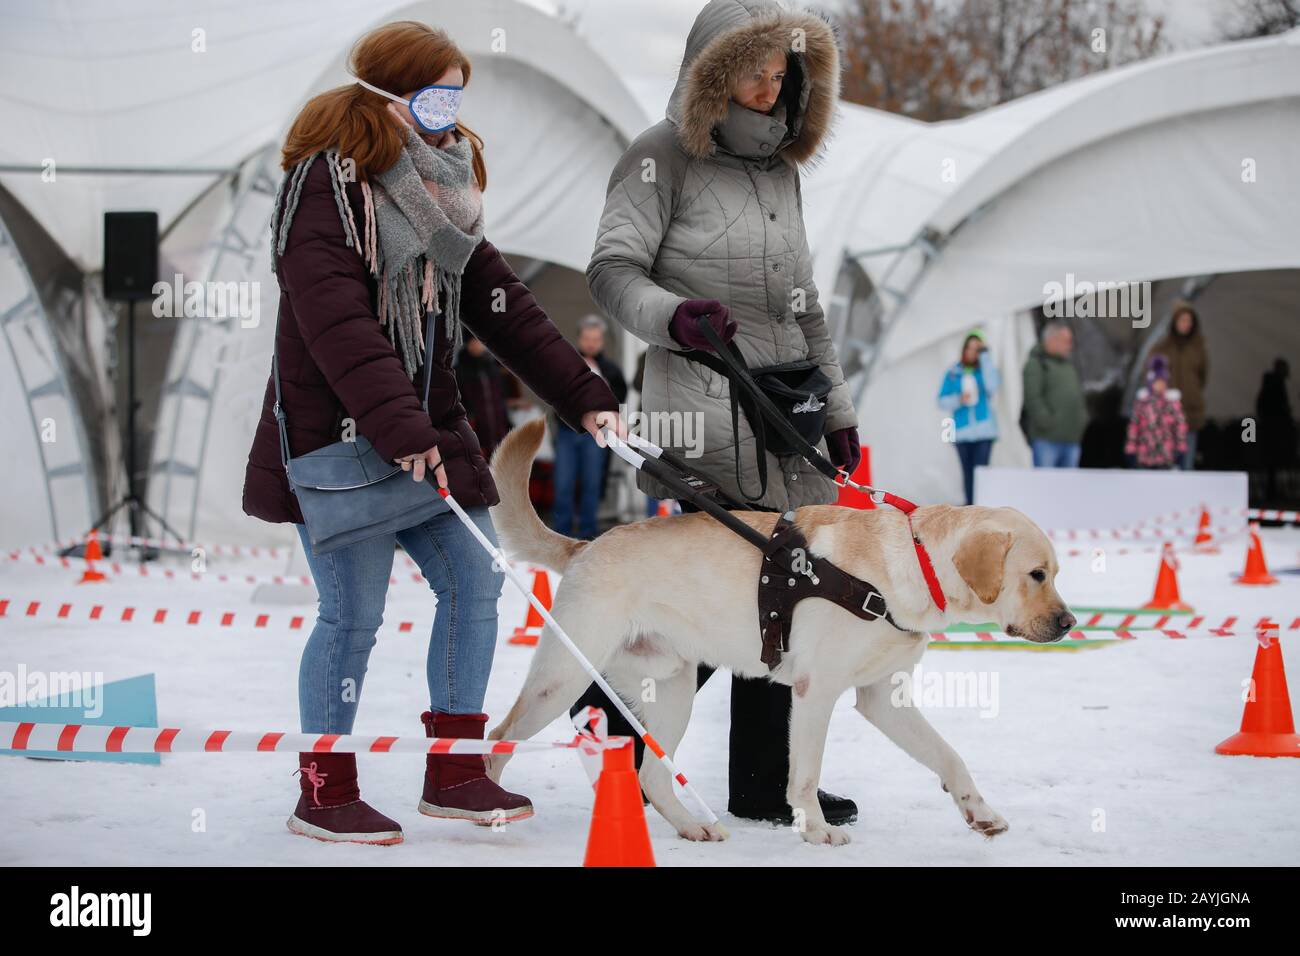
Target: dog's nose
<point>1066,621</point>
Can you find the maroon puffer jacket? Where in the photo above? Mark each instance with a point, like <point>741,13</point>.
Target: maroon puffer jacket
<point>336,362</point>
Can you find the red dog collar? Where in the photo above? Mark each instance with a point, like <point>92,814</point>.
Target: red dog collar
<point>922,555</point>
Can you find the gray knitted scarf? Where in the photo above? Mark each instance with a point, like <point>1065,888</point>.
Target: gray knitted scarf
<point>423,219</point>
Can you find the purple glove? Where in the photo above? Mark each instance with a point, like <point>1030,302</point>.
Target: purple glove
<point>845,449</point>
<point>684,328</point>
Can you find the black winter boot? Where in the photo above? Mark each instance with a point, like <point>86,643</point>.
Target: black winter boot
<point>760,757</point>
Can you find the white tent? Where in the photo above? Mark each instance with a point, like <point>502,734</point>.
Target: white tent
<point>1177,166</point>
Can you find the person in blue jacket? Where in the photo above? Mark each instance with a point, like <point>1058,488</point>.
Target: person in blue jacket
<point>966,394</point>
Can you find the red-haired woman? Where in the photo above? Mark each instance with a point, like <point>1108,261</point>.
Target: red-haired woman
<point>377,229</point>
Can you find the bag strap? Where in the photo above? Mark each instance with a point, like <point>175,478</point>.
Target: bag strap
<point>728,353</point>
<point>738,397</point>
<point>430,328</point>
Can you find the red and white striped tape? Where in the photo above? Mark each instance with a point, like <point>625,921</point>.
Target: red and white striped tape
<point>1285,517</point>
<point>86,612</point>
<point>1147,549</point>
<point>1161,524</point>
<point>1120,634</point>
<point>1155,620</point>
<point>117,569</point>
<point>1138,534</point>
<point>1075,637</point>
<point>89,738</point>
<point>172,574</point>
<point>1169,517</point>
<point>236,550</point>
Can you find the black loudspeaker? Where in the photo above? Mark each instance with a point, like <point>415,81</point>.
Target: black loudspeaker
<point>130,254</point>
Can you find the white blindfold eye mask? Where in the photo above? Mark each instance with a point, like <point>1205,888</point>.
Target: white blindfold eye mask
<point>434,108</point>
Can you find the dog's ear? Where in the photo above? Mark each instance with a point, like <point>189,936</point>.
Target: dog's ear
<point>980,559</point>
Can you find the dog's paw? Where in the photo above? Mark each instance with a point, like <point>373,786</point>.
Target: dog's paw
<point>704,833</point>
<point>825,836</point>
<point>979,816</point>
<point>991,828</point>
<point>982,818</point>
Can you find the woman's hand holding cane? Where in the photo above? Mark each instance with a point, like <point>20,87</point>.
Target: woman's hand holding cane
<point>430,458</point>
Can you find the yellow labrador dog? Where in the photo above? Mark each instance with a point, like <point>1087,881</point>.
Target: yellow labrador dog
<point>652,600</point>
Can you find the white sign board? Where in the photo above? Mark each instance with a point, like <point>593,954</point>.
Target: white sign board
<point>1110,497</point>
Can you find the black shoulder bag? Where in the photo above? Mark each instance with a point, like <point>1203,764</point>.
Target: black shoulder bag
<point>785,404</point>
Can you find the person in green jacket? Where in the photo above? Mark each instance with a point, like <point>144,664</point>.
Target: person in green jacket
<point>1055,414</point>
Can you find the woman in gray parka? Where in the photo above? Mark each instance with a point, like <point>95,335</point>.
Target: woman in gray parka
<point>703,217</point>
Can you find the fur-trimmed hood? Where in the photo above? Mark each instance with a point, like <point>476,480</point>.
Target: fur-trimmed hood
<point>732,37</point>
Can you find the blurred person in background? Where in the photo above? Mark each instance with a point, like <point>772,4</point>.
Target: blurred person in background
<point>966,394</point>
<point>1189,371</point>
<point>484,391</point>
<point>580,463</point>
<point>1277,427</point>
<point>1055,414</point>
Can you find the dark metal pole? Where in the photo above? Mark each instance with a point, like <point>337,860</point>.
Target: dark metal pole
<point>131,496</point>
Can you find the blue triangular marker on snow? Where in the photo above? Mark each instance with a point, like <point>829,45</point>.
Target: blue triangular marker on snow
<point>122,703</point>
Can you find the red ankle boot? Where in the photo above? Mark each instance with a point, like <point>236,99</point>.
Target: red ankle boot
<point>330,807</point>
<point>456,786</point>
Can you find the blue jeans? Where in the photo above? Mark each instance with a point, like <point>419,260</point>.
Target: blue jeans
<point>1055,454</point>
<point>353,582</point>
<point>972,454</point>
<point>1188,460</point>
<point>578,460</point>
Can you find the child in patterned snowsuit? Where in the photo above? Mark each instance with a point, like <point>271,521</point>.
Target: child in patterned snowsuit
<point>1157,430</point>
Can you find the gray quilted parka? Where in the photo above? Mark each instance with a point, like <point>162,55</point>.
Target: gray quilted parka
<point>706,205</point>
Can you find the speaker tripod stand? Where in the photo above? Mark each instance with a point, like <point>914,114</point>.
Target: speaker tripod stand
<point>138,511</point>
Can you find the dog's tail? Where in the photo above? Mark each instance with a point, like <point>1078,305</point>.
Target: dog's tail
<point>522,534</point>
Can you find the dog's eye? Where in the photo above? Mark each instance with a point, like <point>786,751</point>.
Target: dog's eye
<point>1038,575</point>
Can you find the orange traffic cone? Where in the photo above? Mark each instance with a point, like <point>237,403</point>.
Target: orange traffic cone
<point>1166,597</point>
<point>1204,539</point>
<point>1267,727</point>
<point>93,554</point>
<point>527,635</point>
<point>619,835</point>
<point>665,508</point>
<point>1256,569</point>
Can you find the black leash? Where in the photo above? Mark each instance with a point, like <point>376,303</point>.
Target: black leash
<point>737,372</point>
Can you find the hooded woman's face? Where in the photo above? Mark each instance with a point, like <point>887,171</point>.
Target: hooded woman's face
<point>759,90</point>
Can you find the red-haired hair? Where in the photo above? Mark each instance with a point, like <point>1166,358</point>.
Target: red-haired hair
<point>397,57</point>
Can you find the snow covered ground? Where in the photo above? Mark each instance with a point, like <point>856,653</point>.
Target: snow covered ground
<point>1120,733</point>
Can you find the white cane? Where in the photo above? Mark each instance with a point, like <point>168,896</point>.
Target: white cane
<point>651,744</point>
